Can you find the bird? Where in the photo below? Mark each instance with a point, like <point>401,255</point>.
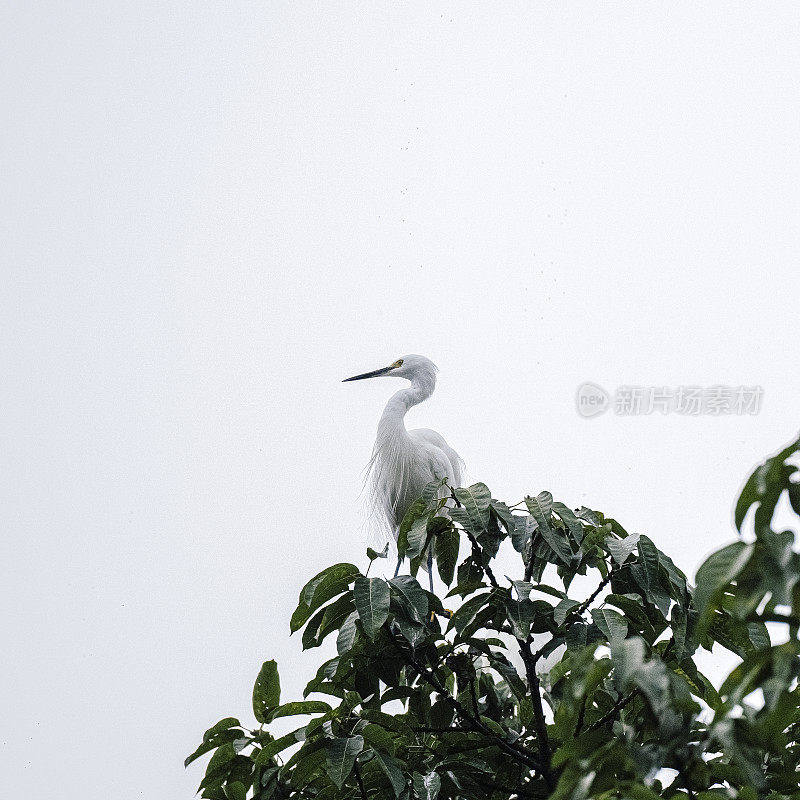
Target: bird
<point>404,461</point>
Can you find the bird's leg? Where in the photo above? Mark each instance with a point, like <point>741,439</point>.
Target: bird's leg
<point>397,568</point>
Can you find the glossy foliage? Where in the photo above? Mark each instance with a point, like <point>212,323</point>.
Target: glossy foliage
<point>530,689</point>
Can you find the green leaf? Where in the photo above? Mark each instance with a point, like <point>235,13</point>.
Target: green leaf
<point>372,603</point>
<point>747,675</point>
<point>587,515</point>
<point>524,528</point>
<point>347,634</point>
<point>716,573</point>
<point>505,516</point>
<point>653,592</point>
<point>414,632</point>
<point>539,508</point>
<point>611,623</point>
<point>759,635</point>
<point>392,769</point>
<point>699,684</point>
<point>620,549</point>
<point>226,730</point>
<point>373,554</point>
<point>468,610</point>
<point>469,578</point>
<point>222,757</point>
<point>299,707</point>
<point>520,614</point>
<point>636,791</point>
<point>445,549</point>
<point>562,609</point>
<point>650,676</point>
<point>544,589</point>
<point>793,490</point>
<point>333,616</point>
<point>340,756</point>
<point>433,490</point>
<point>648,554</point>
<point>427,787</point>
<point>306,764</point>
<point>417,537</point>
<point>522,588</point>
<point>476,499</point>
<point>545,502</point>
<point>323,587</point>
<point>378,738</point>
<point>570,520</point>
<point>222,725</point>
<point>271,749</point>
<point>311,629</point>
<point>419,508</point>
<point>558,544</point>
<point>765,485</point>
<point>267,690</point>
<point>416,599</point>
<point>576,636</point>
<point>236,791</point>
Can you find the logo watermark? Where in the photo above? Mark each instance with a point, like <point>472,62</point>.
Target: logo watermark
<point>690,401</point>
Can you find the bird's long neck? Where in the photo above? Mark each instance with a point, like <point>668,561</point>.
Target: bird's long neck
<point>399,403</point>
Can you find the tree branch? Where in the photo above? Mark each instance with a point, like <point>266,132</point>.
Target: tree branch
<point>576,612</point>
<point>586,603</point>
<point>520,755</point>
<point>477,555</point>
<point>613,711</point>
<point>477,550</point>
<point>542,739</point>
<point>529,563</point>
<point>530,658</point>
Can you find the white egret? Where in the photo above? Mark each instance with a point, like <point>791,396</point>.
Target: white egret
<point>403,461</point>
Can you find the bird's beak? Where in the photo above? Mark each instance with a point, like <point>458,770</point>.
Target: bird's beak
<point>376,373</point>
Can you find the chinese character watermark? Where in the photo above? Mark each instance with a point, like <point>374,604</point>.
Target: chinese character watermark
<point>690,401</point>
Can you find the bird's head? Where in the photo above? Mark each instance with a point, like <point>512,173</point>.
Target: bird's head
<point>411,367</point>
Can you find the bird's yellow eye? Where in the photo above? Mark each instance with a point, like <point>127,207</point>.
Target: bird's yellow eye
<point>398,363</point>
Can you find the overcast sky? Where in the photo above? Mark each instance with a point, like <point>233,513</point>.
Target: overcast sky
<point>212,213</point>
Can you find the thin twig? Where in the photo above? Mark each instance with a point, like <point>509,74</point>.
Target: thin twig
<point>575,612</point>
<point>529,563</point>
<point>477,551</point>
<point>613,711</point>
<point>542,740</point>
<point>475,724</point>
<point>477,555</point>
<point>586,603</point>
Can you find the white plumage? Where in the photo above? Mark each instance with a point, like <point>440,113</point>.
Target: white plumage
<point>403,461</point>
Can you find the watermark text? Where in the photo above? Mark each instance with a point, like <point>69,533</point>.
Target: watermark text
<point>691,401</point>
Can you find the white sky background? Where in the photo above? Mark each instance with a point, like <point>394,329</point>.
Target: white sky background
<point>213,215</point>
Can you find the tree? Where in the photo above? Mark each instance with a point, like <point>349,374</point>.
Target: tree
<point>426,704</point>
